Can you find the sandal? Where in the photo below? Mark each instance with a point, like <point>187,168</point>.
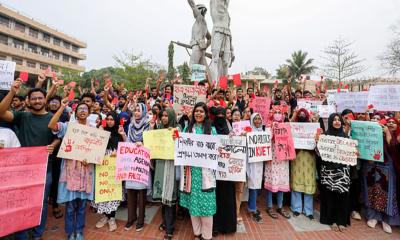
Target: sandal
<point>272,213</point>
<point>334,227</point>
<point>342,228</point>
<point>57,213</point>
<point>282,212</point>
<point>161,227</point>
<point>256,217</point>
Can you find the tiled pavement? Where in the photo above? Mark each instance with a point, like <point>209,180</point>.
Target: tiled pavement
<point>269,229</point>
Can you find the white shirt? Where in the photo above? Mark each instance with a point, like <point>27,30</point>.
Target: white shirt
<point>8,139</point>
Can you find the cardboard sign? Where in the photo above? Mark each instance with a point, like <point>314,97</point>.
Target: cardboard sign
<point>331,95</point>
<point>133,163</point>
<point>197,150</point>
<point>261,105</point>
<point>160,143</point>
<point>84,143</point>
<point>22,183</point>
<point>232,159</point>
<point>355,101</point>
<point>370,140</point>
<point>259,146</point>
<point>237,81</point>
<point>7,70</point>
<point>385,97</point>
<point>106,187</point>
<point>223,82</point>
<point>186,96</point>
<point>324,111</point>
<point>283,142</point>
<point>241,127</point>
<point>198,73</point>
<point>304,135</point>
<point>338,149</point>
<point>310,105</point>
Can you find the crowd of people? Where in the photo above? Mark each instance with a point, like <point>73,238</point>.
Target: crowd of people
<point>41,119</point>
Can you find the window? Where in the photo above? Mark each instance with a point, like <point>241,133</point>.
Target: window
<point>4,21</point>
<point>33,33</point>
<point>65,58</point>
<point>43,66</point>
<point>56,55</point>
<point>57,41</point>
<point>67,45</point>
<point>46,37</point>
<point>45,52</point>
<point>31,64</point>
<point>32,48</point>
<point>18,44</point>
<point>18,61</point>
<point>3,39</point>
<point>2,57</point>
<point>75,48</point>
<point>74,60</point>
<point>20,27</point>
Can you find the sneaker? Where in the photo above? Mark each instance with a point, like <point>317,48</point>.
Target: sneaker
<point>112,225</point>
<point>79,236</point>
<point>71,237</point>
<point>386,228</point>
<point>296,214</point>
<point>139,227</point>
<point>128,226</point>
<point>311,217</point>
<point>355,215</point>
<point>102,222</point>
<point>372,223</point>
<point>256,217</point>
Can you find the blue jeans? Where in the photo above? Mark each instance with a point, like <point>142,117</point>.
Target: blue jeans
<point>38,231</point>
<point>297,206</point>
<point>252,204</point>
<point>75,214</point>
<point>279,196</point>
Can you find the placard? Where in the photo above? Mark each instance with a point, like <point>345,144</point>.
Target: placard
<point>331,97</point>
<point>385,97</point>
<point>283,142</point>
<point>232,159</point>
<point>198,73</point>
<point>304,135</point>
<point>355,101</point>
<point>259,146</point>
<point>309,104</point>
<point>261,105</point>
<point>197,150</point>
<point>186,96</point>
<point>241,127</point>
<point>82,143</point>
<point>370,140</point>
<point>160,143</point>
<point>106,187</point>
<point>324,111</point>
<point>338,149</point>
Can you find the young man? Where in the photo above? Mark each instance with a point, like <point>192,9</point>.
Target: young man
<point>18,103</point>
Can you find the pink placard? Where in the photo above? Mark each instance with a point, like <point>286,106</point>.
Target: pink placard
<point>283,144</point>
<point>240,127</point>
<point>261,105</point>
<point>133,163</point>
<point>22,181</point>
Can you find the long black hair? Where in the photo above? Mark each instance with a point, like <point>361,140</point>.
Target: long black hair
<point>206,123</point>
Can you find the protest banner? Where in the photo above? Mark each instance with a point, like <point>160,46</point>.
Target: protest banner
<point>283,142</point>
<point>84,143</point>
<point>370,140</point>
<point>261,105</point>
<point>232,159</point>
<point>106,187</point>
<point>309,104</point>
<point>325,110</point>
<point>241,127</point>
<point>133,163</point>
<point>338,149</point>
<point>7,70</point>
<point>304,135</point>
<point>331,95</point>
<point>385,97</point>
<point>355,101</point>
<point>186,96</point>
<point>22,183</point>
<point>198,73</point>
<point>160,143</point>
<point>259,146</point>
<point>197,150</point>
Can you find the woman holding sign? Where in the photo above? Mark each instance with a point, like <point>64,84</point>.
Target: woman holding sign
<point>198,184</point>
<point>76,182</point>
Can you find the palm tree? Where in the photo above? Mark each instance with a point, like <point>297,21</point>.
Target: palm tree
<point>299,64</point>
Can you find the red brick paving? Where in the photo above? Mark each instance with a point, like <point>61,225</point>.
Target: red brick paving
<point>270,229</point>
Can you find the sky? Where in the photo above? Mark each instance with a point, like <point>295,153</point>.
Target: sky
<point>265,32</point>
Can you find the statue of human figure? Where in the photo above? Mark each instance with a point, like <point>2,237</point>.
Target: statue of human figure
<point>221,40</point>
<point>201,37</point>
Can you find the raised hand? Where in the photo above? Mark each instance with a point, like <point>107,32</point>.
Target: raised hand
<point>16,85</point>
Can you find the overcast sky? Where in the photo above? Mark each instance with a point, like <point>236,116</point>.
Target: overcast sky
<point>265,32</point>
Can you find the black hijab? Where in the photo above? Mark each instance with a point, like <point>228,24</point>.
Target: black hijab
<point>333,131</point>
<point>220,123</point>
<point>115,137</point>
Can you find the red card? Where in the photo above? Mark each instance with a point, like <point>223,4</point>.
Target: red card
<point>346,86</point>
<point>72,84</point>
<point>61,82</point>
<point>176,133</point>
<point>223,82</point>
<point>338,89</point>
<point>370,106</point>
<point>383,121</point>
<point>114,101</point>
<point>108,82</point>
<point>236,80</point>
<point>319,131</point>
<point>266,89</point>
<point>71,95</point>
<point>122,122</point>
<point>103,123</point>
<point>24,76</point>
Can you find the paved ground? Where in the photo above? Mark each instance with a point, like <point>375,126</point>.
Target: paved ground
<point>269,229</point>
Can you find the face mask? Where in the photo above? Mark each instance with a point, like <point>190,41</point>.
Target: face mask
<point>278,117</point>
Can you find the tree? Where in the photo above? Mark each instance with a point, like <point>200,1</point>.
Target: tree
<point>299,65</point>
<point>390,59</point>
<point>282,72</point>
<point>184,72</point>
<point>171,69</point>
<point>341,61</point>
<point>259,71</point>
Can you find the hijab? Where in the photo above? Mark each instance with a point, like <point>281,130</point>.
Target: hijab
<point>137,126</point>
<point>254,128</point>
<point>220,123</point>
<point>114,137</point>
<point>171,118</point>
<point>333,131</point>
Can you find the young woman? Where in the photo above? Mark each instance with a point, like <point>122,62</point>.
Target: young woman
<point>335,184</point>
<point>76,183</point>
<point>137,191</point>
<point>198,184</point>
<point>117,135</point>
<point>165,185</point>
<point>380,182</point>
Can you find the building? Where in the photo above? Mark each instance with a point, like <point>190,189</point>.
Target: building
<point>35,46</point>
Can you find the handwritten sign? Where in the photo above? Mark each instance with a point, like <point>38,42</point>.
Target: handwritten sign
<point>240,127</point>
<point>385,97</point>
<point>197,150</point>
<point>283,144</point>
<point>133,163</point>
<point>22,182</point>
<point>338,149</point>
<point>106,187</point>
<point>304,135</point>
<point>160,143</point>
<point>309,104</point>
<point>232,159</point>
<point>370,140</point>
<point>7,70</point>
<point>198,72</point>
<point>331,97</point>
<point>84,143</point>
<point>261,105</point>
<point>186,96</point>
<point>324,111</point>
<point>355,101</point>
<point>259,146</point>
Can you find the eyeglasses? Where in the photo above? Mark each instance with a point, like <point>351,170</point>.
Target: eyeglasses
<point>82,110</point>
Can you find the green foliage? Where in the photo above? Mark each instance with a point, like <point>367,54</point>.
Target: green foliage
<point>184,72</point>
<point>171,69</point>
<point>298,64</point>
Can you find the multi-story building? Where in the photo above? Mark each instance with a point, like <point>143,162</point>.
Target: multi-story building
<point>35,46</point>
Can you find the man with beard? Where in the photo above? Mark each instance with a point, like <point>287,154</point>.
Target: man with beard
<point>18,103</point>
<point>32,131</point>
